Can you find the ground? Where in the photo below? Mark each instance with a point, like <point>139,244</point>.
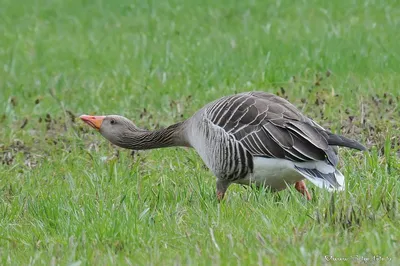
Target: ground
<point>69,197</point>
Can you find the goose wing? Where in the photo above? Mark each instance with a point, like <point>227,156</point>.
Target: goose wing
<point>269,126</point>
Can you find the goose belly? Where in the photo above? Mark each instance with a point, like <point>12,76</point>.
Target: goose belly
<point>273,173</point>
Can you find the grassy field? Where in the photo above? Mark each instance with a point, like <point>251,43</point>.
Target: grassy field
<point>68,197</point>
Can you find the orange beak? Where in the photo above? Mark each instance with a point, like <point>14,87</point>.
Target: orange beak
<point>93,121</point>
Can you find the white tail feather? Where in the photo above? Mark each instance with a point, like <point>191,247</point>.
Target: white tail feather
<point>322,175</point>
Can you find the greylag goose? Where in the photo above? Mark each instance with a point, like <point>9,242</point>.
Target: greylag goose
<point>247,138</point>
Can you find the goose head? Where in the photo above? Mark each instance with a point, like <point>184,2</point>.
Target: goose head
<point>114,128</point>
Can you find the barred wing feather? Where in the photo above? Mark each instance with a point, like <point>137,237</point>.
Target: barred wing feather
<point>269,126</point>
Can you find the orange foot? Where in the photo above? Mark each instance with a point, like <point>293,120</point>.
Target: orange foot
<point>302,188</point>
<point>220,195</point>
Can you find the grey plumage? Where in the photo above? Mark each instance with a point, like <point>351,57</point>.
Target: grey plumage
<point>232,132</point>
<point>263,124</point>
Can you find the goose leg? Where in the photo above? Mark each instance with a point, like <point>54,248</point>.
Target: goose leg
<point>302,188</point>
<point>222,186</point>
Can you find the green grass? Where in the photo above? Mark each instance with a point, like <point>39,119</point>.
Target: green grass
<point>157,62</point>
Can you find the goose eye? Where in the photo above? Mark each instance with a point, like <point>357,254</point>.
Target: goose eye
<point>112,122</point>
